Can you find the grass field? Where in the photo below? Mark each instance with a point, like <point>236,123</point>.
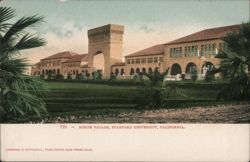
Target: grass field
<point>103,98</point>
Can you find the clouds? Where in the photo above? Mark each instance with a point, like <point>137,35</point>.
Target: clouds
<point>73,37</point>
<point>64,38</point>
<point>146,24</point>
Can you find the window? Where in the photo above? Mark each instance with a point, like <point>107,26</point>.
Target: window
<point>132,61</point>
<point>176,52</point>
<point>143,60</point>
<point>161,59</point>
<point>202,50</point>
<point>155,59</point>
<point>150,60</point>
<point>128,61</point>
<point>138,61</point>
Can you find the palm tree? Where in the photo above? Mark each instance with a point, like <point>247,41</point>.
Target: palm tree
<point>235,64</point>
<point>20,95</point>
<point>156,77</point>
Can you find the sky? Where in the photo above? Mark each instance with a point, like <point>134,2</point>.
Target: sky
<point>146,22</point>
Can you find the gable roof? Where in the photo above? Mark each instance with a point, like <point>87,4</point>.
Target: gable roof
<point>207,34</point>
<point>154,50</point>
<point>77,58</point>
<point>65,54</point>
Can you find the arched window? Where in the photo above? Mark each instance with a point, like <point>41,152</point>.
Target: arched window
<point>150,70</point>
<point>122,71</point>
<point>156,69</point>
<point>207,66</point>
<point>137,70</point>
<point>175,69</point>
<point>144,70</point>
<point>190,68</point>
<point>116,71</point>
<point>132,71</point>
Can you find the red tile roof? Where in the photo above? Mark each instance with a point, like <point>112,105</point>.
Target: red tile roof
<point>119,64</point>
<point>154,50</point>
<point>77,58</point>
<point>207,34</point>
<point>65,54</point>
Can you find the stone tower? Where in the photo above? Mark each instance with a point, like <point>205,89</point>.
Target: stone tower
<point>106,40</point>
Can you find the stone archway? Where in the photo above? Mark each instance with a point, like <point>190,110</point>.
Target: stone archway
<point>190,68</point>
<point>108,39</point>
<point>207,66</point>
<point>175,69</point>
<point>98,62</point>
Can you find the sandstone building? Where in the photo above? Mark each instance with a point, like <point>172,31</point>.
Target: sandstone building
<point>182,56</point>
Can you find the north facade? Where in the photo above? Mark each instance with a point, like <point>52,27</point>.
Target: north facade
<point>195,52</point>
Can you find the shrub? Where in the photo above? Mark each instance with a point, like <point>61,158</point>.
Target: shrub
<point>58,77</point>
<point>194,75</point>
<point>69,77</point>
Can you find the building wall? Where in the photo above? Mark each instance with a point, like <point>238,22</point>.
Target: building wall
<point>118,70</point>
<point>145,62</point>
<point>52,64</point>
<point>199,57</point>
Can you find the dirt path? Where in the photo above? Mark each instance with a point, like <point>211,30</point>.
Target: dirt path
<point>215,114</point>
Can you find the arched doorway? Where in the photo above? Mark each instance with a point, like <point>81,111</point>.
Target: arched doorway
<point>116,71</point>
<point>207,66</point>
<point>150,70</point>
<point>137,70</point>
<point>175,69</point>
<point>144,70</point>
<point>122,71</point>
<point>191,67</point>
<point>132,71</point>
<point>108,40</point>
<point>98,62</point>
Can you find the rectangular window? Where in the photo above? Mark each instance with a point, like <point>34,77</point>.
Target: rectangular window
<point>192,52</point>
<point>189,51</point>
<point>137,61</point>
<point>132,61</point>
<point>196,50</point>
<point>180,52</point>
<point>128,61</point>
<point>143,60</point>
<point>161,59</point>
<point>202,50</point>
<point>150,60</point>
<point>185,51</point>
<point>155,59</point>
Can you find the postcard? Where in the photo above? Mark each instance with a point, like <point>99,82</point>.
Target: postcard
<point>142,80</point>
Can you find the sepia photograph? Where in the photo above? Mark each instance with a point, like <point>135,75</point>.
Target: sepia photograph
<point>141,65</point>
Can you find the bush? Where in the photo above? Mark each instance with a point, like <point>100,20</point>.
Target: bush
<point>59,77</point>
<point>194,75</point>
<point>79,77</point>
<point>69,77</point>
<point>209,77</point>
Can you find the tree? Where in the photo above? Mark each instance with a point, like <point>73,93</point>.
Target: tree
<point>156,77</point>
<point>157,92</point>
<point>20,94</point>
<point>235,64</point>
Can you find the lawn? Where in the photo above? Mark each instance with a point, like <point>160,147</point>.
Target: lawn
<point>105,98</point>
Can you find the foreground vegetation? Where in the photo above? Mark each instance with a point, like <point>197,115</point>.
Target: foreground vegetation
<point>102,98</point>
